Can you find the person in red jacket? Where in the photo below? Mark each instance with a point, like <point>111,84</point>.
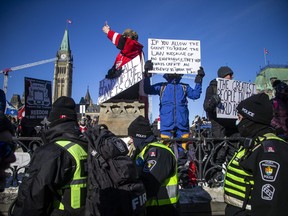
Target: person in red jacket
<point>129,47</point>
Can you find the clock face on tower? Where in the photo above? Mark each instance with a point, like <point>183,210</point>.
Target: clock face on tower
<point>63,56</point>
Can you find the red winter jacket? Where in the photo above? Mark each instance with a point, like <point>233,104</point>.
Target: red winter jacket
<point>129,48</point>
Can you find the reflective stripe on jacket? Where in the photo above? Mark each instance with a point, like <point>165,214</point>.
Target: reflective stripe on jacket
<point>77,186</point>
<point>168,192</point>
<point>237,183</point>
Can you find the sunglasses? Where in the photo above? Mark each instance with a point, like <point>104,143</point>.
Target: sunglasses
<point>6,148</point>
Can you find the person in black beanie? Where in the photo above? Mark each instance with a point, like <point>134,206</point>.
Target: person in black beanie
<point>220,127</point>
<point>257,176</point>
<point>157,167</point>
<point>55,182</point>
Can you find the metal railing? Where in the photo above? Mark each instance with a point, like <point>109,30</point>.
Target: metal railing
<point>25,148</point>
<point>210,155</point>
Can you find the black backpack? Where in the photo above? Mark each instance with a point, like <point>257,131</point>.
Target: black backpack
<point>113,186</point>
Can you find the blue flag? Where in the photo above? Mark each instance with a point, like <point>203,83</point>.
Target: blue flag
<point>10,109</point>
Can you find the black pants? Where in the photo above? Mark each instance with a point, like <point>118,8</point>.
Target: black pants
<point>166,210</point>
<point>236,211</point>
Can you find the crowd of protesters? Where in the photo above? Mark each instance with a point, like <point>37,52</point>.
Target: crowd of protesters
<point>256,172</point>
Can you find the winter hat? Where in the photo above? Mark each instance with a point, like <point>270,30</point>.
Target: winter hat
<point>130,33</point>
<point>63,109</point>
<point>171,77</point>
<point>281,88</point>
<point>224,71</point>
<point>257,108</point>
<point>140,128</point>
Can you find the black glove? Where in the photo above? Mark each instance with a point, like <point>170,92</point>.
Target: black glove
<point>148,66</point>
<point>200,75</point>
<point>113,73</point>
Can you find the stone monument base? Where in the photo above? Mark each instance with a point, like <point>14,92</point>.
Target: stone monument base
<point>118,115</point>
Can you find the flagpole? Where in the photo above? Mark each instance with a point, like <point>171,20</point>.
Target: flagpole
<point>68,21</point>
<point>265,60</point>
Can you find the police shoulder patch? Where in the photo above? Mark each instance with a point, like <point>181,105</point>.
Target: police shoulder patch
<point>149,165</point>
<point>269,146</point>
<point>152,152</point>
<point>269,170</point>
<point>267,192</point>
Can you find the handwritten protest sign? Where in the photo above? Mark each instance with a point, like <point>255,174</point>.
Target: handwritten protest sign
<point>132,74</point>
<point>174,56</point>
<point>231,93</point>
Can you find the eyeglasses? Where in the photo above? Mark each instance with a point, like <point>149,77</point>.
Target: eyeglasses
<point>6,148</point>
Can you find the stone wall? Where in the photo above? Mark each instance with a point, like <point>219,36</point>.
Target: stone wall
<point>118,115</point>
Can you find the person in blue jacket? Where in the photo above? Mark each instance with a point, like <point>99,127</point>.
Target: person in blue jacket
<point>174,113</point>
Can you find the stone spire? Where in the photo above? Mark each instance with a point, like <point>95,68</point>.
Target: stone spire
<point>88,97</point>
<point>65,45</point>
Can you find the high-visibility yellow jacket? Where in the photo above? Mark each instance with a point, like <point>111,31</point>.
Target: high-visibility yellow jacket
<point>73,194</point>
<point>168,192</point>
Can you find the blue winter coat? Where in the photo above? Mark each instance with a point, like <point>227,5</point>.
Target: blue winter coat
<point>174,113</point>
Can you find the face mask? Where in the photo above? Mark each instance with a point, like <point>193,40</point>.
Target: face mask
<point>237,122</point>
<point>246,128</point>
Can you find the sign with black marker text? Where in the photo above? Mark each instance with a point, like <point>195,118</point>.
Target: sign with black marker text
<point>131,75</point>
<point>231,93</point>
<point>174,56</point>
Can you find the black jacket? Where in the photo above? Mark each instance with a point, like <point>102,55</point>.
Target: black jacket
<point>158,165</point>
<point>267,162</point>
<point>220,127</point>
<point>51,168</point>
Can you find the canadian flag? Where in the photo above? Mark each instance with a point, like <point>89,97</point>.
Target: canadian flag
<point>21,112</point>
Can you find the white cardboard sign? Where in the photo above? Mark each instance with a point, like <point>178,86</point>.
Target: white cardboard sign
<point>231,93</point>
<point>132,74</point>
<point>174,56</point>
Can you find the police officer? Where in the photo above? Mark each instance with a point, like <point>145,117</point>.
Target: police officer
<point>157,168</point>
<point>257,175</point>
<point>55,182</point>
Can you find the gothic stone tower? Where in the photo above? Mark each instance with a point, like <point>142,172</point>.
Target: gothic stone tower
<point>63,70</point>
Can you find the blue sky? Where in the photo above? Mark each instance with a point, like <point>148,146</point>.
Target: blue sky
<point>232,33</point>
